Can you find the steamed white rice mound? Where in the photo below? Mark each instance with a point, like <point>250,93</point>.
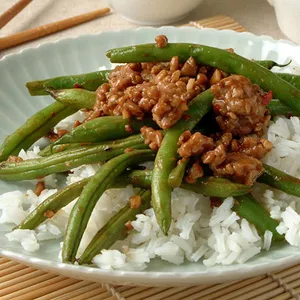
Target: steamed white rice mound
<point>197,233</point>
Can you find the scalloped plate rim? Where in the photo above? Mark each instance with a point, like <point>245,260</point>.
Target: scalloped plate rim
<point>112,276</point>
<point>46,43</point>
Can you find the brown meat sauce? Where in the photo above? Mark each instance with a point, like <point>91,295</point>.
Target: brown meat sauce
<point>240,109</point>
<point>194,144</point>
<point>240,167</point>
<point>152,137</point>
<point>161,41</point>
<point>163,90</point>
<point>239,106</point>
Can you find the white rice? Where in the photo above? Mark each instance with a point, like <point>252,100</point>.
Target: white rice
<point>197,233</point>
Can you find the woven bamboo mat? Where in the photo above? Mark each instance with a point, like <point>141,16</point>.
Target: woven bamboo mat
<point>18,281</point>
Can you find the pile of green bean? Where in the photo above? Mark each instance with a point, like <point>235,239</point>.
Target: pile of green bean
<point>106,140</point>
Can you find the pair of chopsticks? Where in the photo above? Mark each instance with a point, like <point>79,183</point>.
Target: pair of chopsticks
<point>35,33</point>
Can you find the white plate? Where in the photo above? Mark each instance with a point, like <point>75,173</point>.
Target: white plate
<point>85,54</point>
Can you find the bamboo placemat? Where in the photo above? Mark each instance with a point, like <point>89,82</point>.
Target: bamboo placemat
<point>18,281</point>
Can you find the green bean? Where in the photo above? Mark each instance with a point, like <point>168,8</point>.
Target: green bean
<point>277,108</point>
<point>216,187</point>
<point>269,64</point>
<point>166,159</point>
<point>176,175</point>
<point>115,229</point>
<point>140,178</point>
<point>82,210</point>
<point>60,162</point>
<point>280,180</point>
<point>208,186</point>
<point>104,129</point>
<point>78,98</point>
<point>87,81</point>
<point>221,59</point>
<point>51,149</point>
<point>248,208</point>
<point>291,78</point>
<point>34,128</point>
<point>52,205</point>
<point>36,88</point>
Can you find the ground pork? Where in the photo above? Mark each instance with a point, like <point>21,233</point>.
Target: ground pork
<point>252,146</point>
<point>194,144</point>
<point>152,137</point>
<point>240,167</point>
<point>240,106</point>
<point>194,172</point>
<point>163,89</point>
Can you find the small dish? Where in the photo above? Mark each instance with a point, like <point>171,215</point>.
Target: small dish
<point>154,12</point>
<point>288,17</point>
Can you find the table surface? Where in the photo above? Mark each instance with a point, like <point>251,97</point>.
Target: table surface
<point>255,15</point>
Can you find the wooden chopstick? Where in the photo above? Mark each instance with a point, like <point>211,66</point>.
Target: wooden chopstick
<point>35,33</point>
<point>13,11</point>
